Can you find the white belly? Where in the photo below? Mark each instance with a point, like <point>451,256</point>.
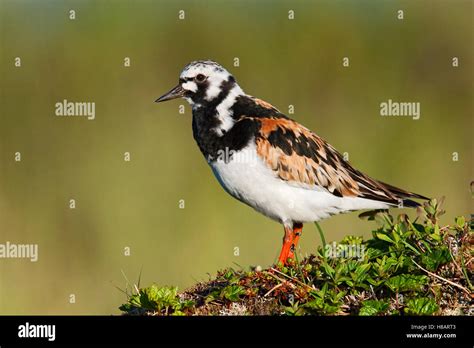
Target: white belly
<point>247,178</point>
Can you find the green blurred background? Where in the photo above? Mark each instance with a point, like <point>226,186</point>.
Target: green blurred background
<point>136,204</point>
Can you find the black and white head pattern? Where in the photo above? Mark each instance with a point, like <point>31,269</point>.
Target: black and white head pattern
<point>208,85</point>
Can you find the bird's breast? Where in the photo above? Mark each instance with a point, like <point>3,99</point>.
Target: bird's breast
<point>213,144</point>
<point>243,175</point>
<point>247,178</point>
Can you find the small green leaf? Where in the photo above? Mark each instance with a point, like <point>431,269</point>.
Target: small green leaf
<point>460,221</point>
<point>421,306</point>
<point>406,282</point>
<point>362,269</point>
<point>232,292</point>
<point>329,270</point>
<point>373,307</point>
<point>384,237</point>
<point>432,260</point>
<point>126,307</point>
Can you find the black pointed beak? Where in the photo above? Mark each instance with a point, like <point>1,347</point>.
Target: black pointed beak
<point>176,92</point>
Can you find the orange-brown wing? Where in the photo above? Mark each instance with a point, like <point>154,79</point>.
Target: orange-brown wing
<point>300,157</point>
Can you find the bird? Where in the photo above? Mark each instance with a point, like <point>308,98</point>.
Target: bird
<point>272,163</point>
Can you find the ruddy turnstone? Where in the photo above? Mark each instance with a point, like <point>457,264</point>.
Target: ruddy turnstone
<point>270,162</point>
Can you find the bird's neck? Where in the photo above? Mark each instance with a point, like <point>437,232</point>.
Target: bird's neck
<point>222,128</point>
<point>217,115</point>
<point>213,123</point>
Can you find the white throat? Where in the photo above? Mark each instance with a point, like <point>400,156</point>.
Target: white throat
<point>224,111</point>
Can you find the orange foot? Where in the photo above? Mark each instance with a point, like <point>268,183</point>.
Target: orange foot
<point>290,241</point>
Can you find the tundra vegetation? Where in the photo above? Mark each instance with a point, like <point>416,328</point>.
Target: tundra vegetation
<point>409,267</point>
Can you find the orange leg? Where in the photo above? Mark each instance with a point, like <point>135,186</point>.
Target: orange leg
<point>287,241</point>
<point>290,241</point>
<point>297,231</point>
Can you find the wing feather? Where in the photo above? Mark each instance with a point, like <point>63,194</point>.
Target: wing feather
<point>302,158</point>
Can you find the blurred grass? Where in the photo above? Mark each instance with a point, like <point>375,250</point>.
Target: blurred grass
<point>135,204</point>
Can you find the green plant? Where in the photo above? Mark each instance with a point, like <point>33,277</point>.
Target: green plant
<point>373,307</point>
<point>421,306</point>
<point>164,300</point>
<point>413,267</point>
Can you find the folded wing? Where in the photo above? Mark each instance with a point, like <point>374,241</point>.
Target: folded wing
<point>300,157</point>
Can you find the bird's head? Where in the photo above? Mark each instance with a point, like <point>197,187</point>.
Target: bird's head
<point>203,83</point>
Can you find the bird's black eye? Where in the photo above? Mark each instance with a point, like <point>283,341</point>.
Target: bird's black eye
<point>200,78</point>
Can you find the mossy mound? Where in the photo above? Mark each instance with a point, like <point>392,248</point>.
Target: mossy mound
<point>407,268</point>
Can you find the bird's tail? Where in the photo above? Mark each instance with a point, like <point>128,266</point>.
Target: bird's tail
<point>404,195</point>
